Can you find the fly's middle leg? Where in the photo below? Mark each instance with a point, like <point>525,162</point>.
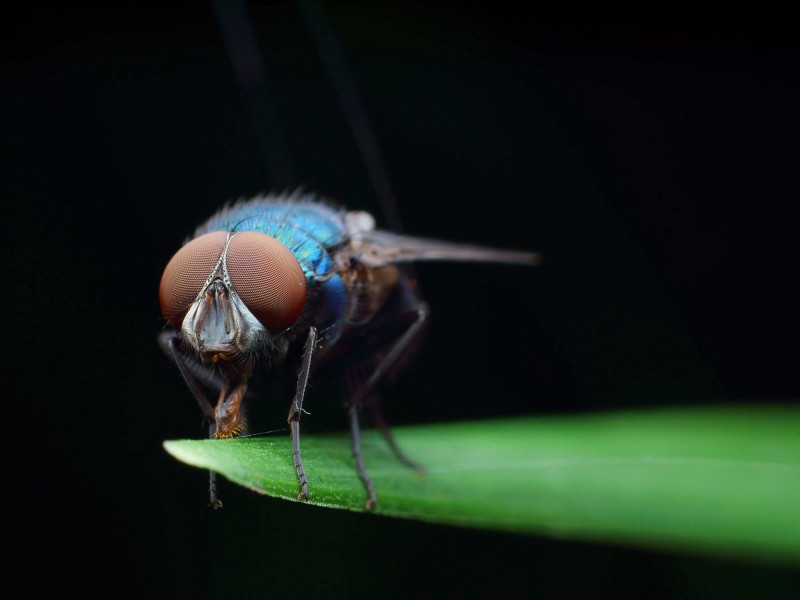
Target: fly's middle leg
<point>362,384</point>
<point>355,430</point>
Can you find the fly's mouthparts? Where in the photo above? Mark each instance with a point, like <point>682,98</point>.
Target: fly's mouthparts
<point>236,431</point>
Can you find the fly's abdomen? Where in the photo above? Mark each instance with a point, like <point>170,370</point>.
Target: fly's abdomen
<point>367,291</point>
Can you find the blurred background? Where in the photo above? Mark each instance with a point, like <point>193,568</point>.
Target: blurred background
<point>652,159</point>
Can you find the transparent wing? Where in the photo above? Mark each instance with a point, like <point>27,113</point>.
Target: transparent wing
<point>378,248</point>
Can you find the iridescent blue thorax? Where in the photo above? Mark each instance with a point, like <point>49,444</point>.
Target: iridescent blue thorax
<point>312,231</point>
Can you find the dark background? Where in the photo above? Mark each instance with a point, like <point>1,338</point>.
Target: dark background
<point>652,159</point>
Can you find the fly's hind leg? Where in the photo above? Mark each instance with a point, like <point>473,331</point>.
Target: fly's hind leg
<point>391,360</point>
<point>373,404</point>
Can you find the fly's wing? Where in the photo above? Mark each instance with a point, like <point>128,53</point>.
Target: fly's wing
<point>378,248</point>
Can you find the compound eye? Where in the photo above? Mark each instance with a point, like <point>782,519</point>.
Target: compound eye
<point>268,279</point>
<point>186,273</point>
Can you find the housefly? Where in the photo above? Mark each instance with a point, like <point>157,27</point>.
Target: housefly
<point>286,285</point>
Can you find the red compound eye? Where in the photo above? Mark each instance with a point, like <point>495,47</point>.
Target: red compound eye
<point>264,272</point>
<point>268,279</point>
<point>186,273</point>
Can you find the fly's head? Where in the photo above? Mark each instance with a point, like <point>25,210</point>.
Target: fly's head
<point>230,294</point>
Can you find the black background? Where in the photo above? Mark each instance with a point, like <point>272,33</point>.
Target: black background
<point>652,159</point>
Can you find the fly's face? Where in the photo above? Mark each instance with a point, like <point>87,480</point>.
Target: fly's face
<point>231,294</point>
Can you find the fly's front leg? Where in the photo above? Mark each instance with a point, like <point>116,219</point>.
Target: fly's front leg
<point>169,342</point>
<point>296,409</point>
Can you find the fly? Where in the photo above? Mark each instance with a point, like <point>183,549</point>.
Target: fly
<point>287,285</point>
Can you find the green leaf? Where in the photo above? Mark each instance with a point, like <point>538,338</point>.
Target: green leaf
<point>720,481</point>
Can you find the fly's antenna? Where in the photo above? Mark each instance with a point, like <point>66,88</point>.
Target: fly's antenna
<point>252,77</point>
<point>335,64</point>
